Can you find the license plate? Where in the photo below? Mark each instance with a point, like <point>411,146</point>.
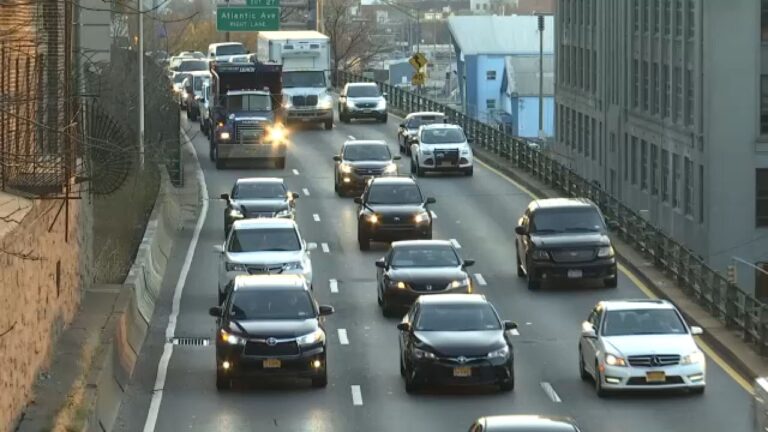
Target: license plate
<point>655,377</point>
<point>367,111</point>
<point>272,364</point>
<point>462,372</point>
<point>446,163</point>
<point>574,274</point>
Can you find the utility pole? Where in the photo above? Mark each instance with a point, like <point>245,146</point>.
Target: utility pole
<point>226,35</point>
<point>541,77</point>
<point>141,85</point>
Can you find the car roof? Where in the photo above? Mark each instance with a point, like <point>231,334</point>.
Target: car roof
<point>393,180</point>
<point>561,202</point>
<point>452,299</point>
<point>200,73</point>
<point>190,59</point>
<point>242,92</point>
<point>528,423</point>
<point>634,304</point>
<point>424,113</point>
<point>362,84</point>
<point>255,180</point>
<point>401,243</point>
<point>440,126</point>
<point>263,223</point>
<point>218,44</point>
<point>256,282</point>
<point>355,142</point>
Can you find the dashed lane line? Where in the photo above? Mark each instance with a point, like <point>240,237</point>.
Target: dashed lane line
<point>316,217</point>
<point>325,247</point>
<point>343,339</point>
<point>550,391</point>
<point>480,279</point>
<point>357,396</point>
<point>334,285</point>
<point>434,215</point>
<point>306,191</point>
<point>295,171</point>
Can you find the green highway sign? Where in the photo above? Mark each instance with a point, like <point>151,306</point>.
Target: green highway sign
<point>247,18</point>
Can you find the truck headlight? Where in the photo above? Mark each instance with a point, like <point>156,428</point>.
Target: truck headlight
<point>465,151</point>
<point>276,134</point>
<point>391,169</point>
<point>693,358</point>
<point>287,103</point>
<point>422,354</point>
<point>231,339</point>
<point>350,104</point>
<point>295,265</point>
<point>235,213</point>
<point>460,283</point>
<point>397,284</point>
<point>235,267</point>
<point>344,168</point>
<point>225,136</point>
<point>325,103</point>
<point>499,353</point>
<point>422,217</point>
<point>312,338</point>
<point>373,219</point>
<point>605,252</point>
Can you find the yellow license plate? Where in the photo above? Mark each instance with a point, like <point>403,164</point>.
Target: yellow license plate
<point>272,364</point>
<point>462,372</point>
<point>655,377</point>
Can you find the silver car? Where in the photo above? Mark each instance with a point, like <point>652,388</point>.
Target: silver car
<point>362,100</point>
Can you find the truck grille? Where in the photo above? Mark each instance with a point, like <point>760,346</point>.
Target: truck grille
<point>657,360</point>
<point>304,101</point>
<point>573,255</point>
<point>249,132</point>
<point>259,348</point>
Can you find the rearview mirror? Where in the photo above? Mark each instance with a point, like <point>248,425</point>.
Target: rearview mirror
<point>218,248</point>
<point>431,200</point>
<point>588,330</point>
<point>509,325</point>
<point>337,158</point>
<point>358,200</point>
<point>224,196</point>
<point>696,330</point>
<point>520,230</point>
<point>469,262</point>
<point>380,263</point>
<point>404,326</point>
<point>215,311</point>
<point>326,310</point>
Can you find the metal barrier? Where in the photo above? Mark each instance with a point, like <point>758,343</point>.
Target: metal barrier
<point>726,301</point>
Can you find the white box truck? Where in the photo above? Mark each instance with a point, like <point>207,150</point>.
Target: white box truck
<point>306,60</point>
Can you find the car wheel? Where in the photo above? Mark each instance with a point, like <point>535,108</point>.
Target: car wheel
<point>189,116</point>
<point>420,171</point>
<point>413,167</point>
<point>221,297</point>
<point>469,172</point>
<point>411,381</point>
<point>328,124</point>
<point>202,127</point>
<point>222,381</point>
<point>533,284</point>
<point>378,297</point>
<point>384,118</point>
<point>400,145</point>
<point>211,156</point>
<point>402,367</point>
<point>320,381</point>
<point>599,383</point>
<point>508,385</point>
<point>365,242</point>
<point>280,163</point>
<point>611,282</point>
<point>219,162</point>
<point>386,309</point>
<point>336,188</point>
<point>520,272</point>
<point>582,368</point>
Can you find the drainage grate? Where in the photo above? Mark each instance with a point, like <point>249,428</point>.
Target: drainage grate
<point>191,341</point>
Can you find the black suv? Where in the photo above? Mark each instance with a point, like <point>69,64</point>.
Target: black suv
<point>258,197</point>
<point>270,325</point>
<point>393,208</point>
<point>359,161</point>
<point>420,267</point>
<point>565,239</point>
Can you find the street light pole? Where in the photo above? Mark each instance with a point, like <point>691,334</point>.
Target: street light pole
<point>141,85</point>
<point>541,76</point>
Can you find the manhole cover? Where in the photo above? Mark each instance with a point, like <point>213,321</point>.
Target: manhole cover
<point>191,341</point>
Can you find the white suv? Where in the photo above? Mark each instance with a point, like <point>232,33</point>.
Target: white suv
<point>640,345</point>
<point>441,147</point>
<point>263,246</point>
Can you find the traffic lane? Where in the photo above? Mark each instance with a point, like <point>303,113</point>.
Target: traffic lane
<point>550,318</point>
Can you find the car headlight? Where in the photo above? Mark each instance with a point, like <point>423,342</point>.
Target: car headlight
<point>231,339</point>
<point>422,217</point>
<point>426,151</point>
<point>605,252</point>
<point>235,213</point>
<point>235,267</point>
<point>397,284</point>
<point>344,168</point>
<point>499,353</point>
<point>296,265</point>
<point>283,213</point>
<point>350,104</point>
<point>460,283</point>
<point>422,354</point>
<point>391,169</point>
<point>540,255</point>
<point>276,134</point>
<point>325,103</point>
<point>225,136</point>
<point>373,219</point>
<point>613,360</point>
<point>316,336</point>
<point>465,151</point>
<point>693,358</point>
<point>382,104</point>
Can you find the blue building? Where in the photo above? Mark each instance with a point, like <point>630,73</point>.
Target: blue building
<point>519,96</point>
<point>484,46</point>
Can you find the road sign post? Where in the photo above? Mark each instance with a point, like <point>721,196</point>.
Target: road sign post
<point>248,16</point>
<point>419,63</point>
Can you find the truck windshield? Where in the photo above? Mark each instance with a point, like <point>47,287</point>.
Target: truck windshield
<point>304,79</point>
<point>249,102</point>
<point>226,50</point>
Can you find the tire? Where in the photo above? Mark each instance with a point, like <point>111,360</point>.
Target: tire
<point>420,171</point>
<point>386,309</point>
<point>384,119</point>
<point>599,390</point>
<point>378,297</point>
<point>469,172</point>
<point>343,117</point>
<point>411,383</point>
<point>508,385</point>
<point>400,145</point>
<point>533,285</point>
<point>320,381</point>
<point>364,242</point>
<point>189,116</point>
<point>585,376</point>
<point>336,188</point>
<point>402,367</point>
<point>222,297</point>
<point>211,155</point>
<point>280,163</point>
<point>520,272</point>
<point>611,282</point>
<point>222,382</point>
<point>219,163</point>
<point>202,127</point>
<point>328,124</point>
<point>413,167</point>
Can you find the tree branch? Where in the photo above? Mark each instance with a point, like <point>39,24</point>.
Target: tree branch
<point>10,329</point>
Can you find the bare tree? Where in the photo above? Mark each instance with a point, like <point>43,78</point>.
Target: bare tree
<point>352,41</point>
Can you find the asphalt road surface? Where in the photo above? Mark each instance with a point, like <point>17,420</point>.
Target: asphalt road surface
<point>365,391</point>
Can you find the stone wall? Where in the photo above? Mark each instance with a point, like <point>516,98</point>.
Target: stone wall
<point>43,267</point>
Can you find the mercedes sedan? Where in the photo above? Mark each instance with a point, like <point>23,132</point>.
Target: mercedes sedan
<point>455,339</point>
<point>258,197</point>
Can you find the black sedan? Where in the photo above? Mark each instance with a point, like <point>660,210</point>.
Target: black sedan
<point>270,326</point>
<point>393,208</point>
<point>258,197</point>
<point>455,339</point>
<point>360,161</point>
<point>409,128</point>
<point>419,267</point>
<point>523,423</point>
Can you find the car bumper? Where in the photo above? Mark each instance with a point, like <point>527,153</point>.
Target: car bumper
<point>242,366</point>
<point>404,298</point>
<point>428,162</point>
<point>354,181</point>
<point>250,151</point>
<point>393,232</point>
<point>492,371</point>
<point>310,114</point>
<point>366,112</point>
<point>635,378</point>
<point>598,269</point>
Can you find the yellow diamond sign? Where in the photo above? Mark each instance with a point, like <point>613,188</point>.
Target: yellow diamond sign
<point>418,61</point>
<point>418,78</point>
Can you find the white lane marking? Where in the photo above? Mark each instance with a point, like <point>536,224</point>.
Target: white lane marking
<point>434,215</point>
<point>334,284</point>
<point>306,191</point>
<point>455,243</point>
<point>165,358</point>
<point>357,396</point>
<point>480,279</point>
<point>295,171</point>
<point>316,217</point>
<point>550,391</point>
<point>515,332</point>
<point>343,339</point>
<point>351,137</point>
<point>325,247</point>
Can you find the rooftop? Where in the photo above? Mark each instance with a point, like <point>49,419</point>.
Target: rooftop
<point>393,180</point>
<point>250,282</point>
<point>423,113</point>
<point>562,202</point>
<point>501,35</point>
<point>630,304</point>
<point>421,243</point>
<point>530,423</point>
<point>440,126</point>
<point>254,180</point>
<point>356,142</point>
<point>452,299</point>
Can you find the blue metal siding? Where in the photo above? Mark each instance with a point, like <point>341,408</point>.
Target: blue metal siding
<point>527,113</point>
<point>488,89</point>
<point>470,84</point>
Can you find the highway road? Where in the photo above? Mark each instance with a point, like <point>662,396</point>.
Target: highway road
<point>365,392</point>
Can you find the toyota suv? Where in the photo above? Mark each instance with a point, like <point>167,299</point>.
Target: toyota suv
<point>362,100</point>
<point>640,345</point>
<point>441,147</point>
<point>564,239</point>
<point>263,246</point>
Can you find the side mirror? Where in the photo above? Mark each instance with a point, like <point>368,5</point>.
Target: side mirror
<point>358,200</point>
<point>380,263</point>
<point>311,246</point>
<point>469,262</point>
<point>696,330</point>
<point>588,330</point>
<point>520,230</point>
<point>397,157</point>
<point>326,310</point>
<point>224,196</point>
<point>509,325</point>
<point>218,248</point>
<point>294,195</point>
<point>431,200</point>
<point>215,311</point>
<point>404,326</point>
<point>337,158</point>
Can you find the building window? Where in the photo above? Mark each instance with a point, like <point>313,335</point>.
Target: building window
<point>635,83</point>
<point>579,127</point>
<point>490,104</point>
<point>656,15</point>
<point>690,25</point>
<point>594,140</point>
<point>587,136</point>
<point>636,14</point>
<point>667,17</point>
<point>764,20</point>
<point>643,165</point>
<point>655,86</point>
<point>654,169</point>
<point>675,180</point>
<point>593,76</point>
<point>633,165</point>
<point>646,87</point>
<point>689,97</point>
<point>625,150</point>
<point>701,194</point>
<point>490,75</point>
<point>764,104</point>
<point>678,86</point>
<point>679,18</point>
<point>761,197</point>
<point>688,188</point>
<point>664,175</point>
<point>646,6</point>
<point>666,88</point>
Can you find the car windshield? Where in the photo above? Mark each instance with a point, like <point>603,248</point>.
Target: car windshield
<point>304,79</point>
<point>415,122</point>
<point>264,240</point>
<point>394,194</point>
<point>178,78</point>
<point>367,152</point>
<point>193,65</point>
<point>272,304</point>
<point>226,50</point>
<point>457,317</point>
<point>249,102</point>
<point>442,136</point>
<point>259,191</point>
<point>643,322</point>
<point>424,256</point>
<point>363,91</point>
<point>584,219</point>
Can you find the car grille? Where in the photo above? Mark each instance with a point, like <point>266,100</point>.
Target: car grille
<point>249,132</point>
<point>658,360</point>
<point>253,214</point>
<point>673,379</point>
<point>573,255</point>
<point>446,156</point>
<point>304,101</point>
<point>259,348</point>
<point>365,105</point>
<point>369,171</point>
<point>406,219</point>
<point>464,360</point>
<point>256,269</point>
<point>428,287</point>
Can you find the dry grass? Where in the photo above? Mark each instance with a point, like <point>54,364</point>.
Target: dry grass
<point>72,415</point>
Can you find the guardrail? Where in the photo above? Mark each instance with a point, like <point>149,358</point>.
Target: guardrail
<point>726,301</point>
